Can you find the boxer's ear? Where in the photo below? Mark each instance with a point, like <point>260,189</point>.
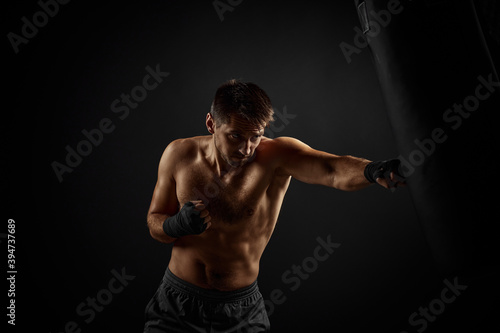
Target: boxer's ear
<point>210,122</point>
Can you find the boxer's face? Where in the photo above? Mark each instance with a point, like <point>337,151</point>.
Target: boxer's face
<point>235,141</point>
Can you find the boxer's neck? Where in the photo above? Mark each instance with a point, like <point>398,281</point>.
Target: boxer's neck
<point>218,163</point>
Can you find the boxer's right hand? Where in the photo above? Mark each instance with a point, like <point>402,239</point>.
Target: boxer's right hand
<point>192,219</point>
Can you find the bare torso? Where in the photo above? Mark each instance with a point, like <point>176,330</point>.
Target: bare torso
<point>244,205</point>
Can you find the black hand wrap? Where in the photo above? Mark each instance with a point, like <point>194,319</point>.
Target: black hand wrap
<point>383,169</point>
<point>186,222</point>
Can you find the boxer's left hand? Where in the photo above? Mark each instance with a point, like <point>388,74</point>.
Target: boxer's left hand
<point>392,182</point>
<point>385,173</point>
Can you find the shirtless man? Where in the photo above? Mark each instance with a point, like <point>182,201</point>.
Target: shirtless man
<point>217,199</point>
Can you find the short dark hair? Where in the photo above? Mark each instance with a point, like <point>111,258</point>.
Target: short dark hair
<point>244,99</point>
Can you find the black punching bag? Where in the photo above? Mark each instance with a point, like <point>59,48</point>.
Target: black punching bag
<point>441,91</point>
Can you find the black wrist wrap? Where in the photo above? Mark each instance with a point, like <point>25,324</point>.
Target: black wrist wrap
<point>382,169</point>
<point>186,222</point>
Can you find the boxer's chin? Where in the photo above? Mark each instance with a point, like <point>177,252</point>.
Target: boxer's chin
<point>236,162</point>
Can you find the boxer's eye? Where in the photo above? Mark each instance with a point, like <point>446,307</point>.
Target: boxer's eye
<point>256,137</point>
<point>234,136</point>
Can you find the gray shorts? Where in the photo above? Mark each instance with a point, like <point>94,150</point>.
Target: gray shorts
<point>179,306</point>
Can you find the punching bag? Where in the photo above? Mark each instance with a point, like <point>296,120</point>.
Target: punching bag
<point>441,92</point>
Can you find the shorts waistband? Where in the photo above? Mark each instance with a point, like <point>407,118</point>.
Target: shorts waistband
<point>209,294</point>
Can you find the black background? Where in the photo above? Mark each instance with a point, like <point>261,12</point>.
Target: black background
<point>70,235</point>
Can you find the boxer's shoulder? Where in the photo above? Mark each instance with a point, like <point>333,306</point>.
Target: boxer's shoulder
<point>182,153</point>
<point>277,146</point>
<point>276,152</point>
<point>187,147</point>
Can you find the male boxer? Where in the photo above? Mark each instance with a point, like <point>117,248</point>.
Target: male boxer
<point>217,199</point>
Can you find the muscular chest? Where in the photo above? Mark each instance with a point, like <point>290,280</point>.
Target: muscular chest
<point>230,198</point>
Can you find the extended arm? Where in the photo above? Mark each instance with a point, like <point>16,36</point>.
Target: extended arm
<point>312,166</point>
